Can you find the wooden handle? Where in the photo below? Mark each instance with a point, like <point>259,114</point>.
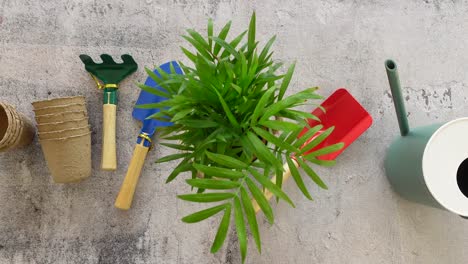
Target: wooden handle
<point>109,152</point>
<point>267,193</point>
<point>125,197</point>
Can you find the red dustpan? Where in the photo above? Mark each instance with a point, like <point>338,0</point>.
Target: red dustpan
<point>348,117</point>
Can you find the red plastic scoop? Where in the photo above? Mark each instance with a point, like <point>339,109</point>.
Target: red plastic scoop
<point>346,114</point>
<point>348,117</point>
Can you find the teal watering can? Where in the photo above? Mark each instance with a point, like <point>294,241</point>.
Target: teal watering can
<point>428,165</point>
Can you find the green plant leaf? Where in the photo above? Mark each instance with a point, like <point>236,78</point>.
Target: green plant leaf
<point>204,214</point>
<point>206,197</point>
<point>325,163</point>
<point>177,136</point>
<point>196,36</point>
<point>297,178</point>
<point>294,114</point>
<point>206,69</point>
<point>162,116</point>
<point>243,76</point>
<point>261,200</point>
<point>253,65</point>
<point>163,104</point>
<point>279,173</point>
<point>293,136</point>
<point>268,62</point>
<point>280,125</point>
<point>222,230</point>
<point>198,123</point>
<point>164,75</point>
<point>237,88</point>
<point>212,184</point>
<point>317,140</point>
<point>227,161</point>
<point>267,79</point>
<point>251,40</point>
<point>227,47</point>
<point>286,81</point>
<point>154,91</point>
<point>153,76</point>
<point>270,138</point>
<point>308,135</point>
<point>312,174</point>
<point>270,186</point>
<point>219,172</point>
<point>176,146</point>
<point>164,131</point>
<point>181,114</point>
<point>198,46</point>
<point>182,167</point>
<point>327,150</point>
<point>251,217</point>
<point>261,105</point>
<point>228,112</point>
<point>234,43</point>
<point>262,152</point>
<point>210,32</point>
<point>240,228</point>
<point>300,97</point>
<point>172,157</point>
<point>264,53</point>
<point>189,54</point>
<point>222,35</point>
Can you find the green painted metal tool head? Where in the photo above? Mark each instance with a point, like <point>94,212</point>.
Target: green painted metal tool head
<point>110,72</point>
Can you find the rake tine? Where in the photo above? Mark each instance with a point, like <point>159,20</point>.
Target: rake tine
<point>106,58</point>
<point>87,60</point>
<point>128,59</point>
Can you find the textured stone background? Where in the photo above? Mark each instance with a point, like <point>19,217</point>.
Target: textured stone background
<point>335,43</point>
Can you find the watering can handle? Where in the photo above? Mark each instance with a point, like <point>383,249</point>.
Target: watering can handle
<point>394,81</point>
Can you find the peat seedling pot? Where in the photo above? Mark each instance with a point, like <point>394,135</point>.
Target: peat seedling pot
<point>16,130</point>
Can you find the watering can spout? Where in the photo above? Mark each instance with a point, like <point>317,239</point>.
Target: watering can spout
<point>394,81</point>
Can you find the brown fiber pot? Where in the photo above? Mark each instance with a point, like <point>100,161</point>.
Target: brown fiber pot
<point>7,125</point>
<point>57,126</point>
<point>59,101</point>
<point>68,159</point>
<point>60,117</point>
<point>26,132</point>
<point>60,109</point>
<point>16,130</point>
<point>64,133</point>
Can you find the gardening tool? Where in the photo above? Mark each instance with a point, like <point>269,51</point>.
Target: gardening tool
<point>348,117</point>
<point>428,165</point>
<point>144,142</point>
<point>110,74</point>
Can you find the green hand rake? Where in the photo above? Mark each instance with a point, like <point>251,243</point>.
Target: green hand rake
<point>108,75</point>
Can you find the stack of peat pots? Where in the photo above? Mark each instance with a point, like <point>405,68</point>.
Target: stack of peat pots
<point>16,130</point>
<point>65,137</point>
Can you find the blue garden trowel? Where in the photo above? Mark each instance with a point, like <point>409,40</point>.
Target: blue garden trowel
<point>125,197</point>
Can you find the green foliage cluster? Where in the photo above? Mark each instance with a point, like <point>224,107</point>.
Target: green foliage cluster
<point>234,126</point>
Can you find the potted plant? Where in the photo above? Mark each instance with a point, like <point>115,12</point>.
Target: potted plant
<point>234,127</point>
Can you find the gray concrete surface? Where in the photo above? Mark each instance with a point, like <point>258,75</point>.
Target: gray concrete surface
<point>335,43</point>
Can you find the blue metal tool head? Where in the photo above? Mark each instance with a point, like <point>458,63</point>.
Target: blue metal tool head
<point>150,125</point>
